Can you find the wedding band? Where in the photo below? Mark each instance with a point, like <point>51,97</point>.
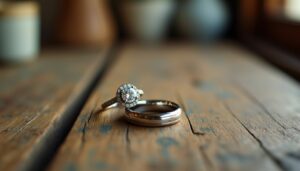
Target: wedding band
<point>127,95</point>
<point>153,113</point>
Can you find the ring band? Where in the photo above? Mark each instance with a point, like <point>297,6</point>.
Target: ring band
<point>153,113</point>
<point>110,103</point>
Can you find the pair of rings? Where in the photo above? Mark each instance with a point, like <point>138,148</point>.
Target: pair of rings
<point>144,112</point>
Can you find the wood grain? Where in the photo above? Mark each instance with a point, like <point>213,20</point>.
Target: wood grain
<point>34,103</point>
<point>239,114</point>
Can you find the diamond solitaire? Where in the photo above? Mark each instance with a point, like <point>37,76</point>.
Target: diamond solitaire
<point>127,95</point>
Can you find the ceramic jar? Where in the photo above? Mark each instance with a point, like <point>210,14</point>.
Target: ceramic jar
<point>203,20</point>
<point>147,20</point>
<point>85,23</point>
<point>19,31</point>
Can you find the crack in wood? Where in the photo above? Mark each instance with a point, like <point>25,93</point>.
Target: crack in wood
<point>256,101</point>
<point>128,142</point>
<point>84,128</point>
<point>180,101</point>
<point>127,135</point>
<point>276,160</point>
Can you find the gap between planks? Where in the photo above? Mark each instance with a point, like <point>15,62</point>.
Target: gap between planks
<point>44,151</point>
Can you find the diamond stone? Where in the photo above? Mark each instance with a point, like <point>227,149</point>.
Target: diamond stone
<point>128,95</point>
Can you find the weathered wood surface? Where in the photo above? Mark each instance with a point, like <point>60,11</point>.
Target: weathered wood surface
<point>239,114</point>
<point>34,103</point>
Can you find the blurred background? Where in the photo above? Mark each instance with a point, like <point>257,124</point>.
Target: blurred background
<point>269,27</point>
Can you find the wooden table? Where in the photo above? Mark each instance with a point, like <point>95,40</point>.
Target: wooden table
<point>239,113</point>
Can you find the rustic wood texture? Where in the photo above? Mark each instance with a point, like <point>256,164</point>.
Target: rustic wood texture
<point>239,114</point>
<point>34,98</point>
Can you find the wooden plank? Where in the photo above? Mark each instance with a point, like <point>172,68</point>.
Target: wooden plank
<point>277,98</point>
<point>223,126</point>
<point>35,101</point>
<point>264,101</point>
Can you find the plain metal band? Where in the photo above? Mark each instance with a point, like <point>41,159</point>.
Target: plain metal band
<point>110,103</point>
<point>153,116</point>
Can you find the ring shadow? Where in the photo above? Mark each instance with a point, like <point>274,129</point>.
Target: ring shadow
<point>116,115</point>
